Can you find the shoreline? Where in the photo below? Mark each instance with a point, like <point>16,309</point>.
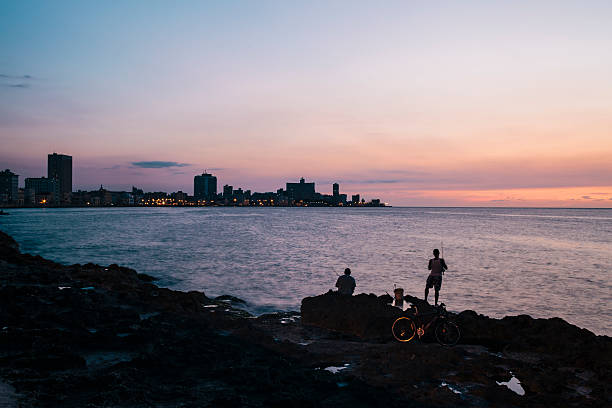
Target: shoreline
<point>313,206</point>
<point>73,335</point>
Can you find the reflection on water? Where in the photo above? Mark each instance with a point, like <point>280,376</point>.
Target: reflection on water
<point>541,262</point>
<point>513,384</point>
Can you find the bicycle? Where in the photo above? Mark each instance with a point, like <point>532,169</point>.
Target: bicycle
<point>447,333</point>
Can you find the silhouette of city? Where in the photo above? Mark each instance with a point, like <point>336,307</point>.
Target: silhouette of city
<point>55,190</point>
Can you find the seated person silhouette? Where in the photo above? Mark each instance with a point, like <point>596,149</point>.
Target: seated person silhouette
<point>346,283</point>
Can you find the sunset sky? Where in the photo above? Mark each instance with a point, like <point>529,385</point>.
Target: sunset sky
<point>470,103</point>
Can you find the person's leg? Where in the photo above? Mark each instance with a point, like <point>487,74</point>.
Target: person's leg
<point>437,286</point>
<point>426,292</point>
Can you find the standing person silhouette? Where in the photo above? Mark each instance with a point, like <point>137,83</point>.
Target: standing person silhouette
<point>346,283</point>
<point>437,266</point>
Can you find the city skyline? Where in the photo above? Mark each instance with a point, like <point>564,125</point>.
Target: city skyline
<point>478,104</point>
<point>55,190</point>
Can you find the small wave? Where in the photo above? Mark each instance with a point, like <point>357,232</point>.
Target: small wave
<point>240,215</point>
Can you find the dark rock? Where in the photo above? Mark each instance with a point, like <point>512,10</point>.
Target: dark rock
<point>364,316</point>
<point>9,248</point>
<point>146,278</point>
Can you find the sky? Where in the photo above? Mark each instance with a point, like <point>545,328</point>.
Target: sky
<point>418,103</point>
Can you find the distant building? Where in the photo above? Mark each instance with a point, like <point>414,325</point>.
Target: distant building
<point>336,189</point>
<point>138,195</point>
<point>263,199</point>
<point>79,198</point>
<point>355,199</point>
<point>300,191</point>
<point>180,198</point>
<point>238,196</point>
<point>9,187</point>
<point>42,190</point>
<point>59,167</point>
<point>228,192</point>
<point>205,187</point>
<point>121,198</point>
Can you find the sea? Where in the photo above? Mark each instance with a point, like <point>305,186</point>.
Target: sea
<point>502,261</point>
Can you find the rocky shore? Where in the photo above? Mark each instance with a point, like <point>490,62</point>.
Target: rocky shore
<point>102,336</point>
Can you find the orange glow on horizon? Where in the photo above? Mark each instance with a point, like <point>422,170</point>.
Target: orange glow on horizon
<point>580,197</point>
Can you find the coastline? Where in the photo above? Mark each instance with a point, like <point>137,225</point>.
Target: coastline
<point>88,334</point>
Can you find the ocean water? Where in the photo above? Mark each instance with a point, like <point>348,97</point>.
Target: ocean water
<point>541,262</point>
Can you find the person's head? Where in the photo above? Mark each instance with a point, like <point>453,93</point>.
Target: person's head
<point>436,252</point>
<point>347,271</point>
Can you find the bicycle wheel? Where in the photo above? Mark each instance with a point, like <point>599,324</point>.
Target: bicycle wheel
<point>403,329</point>
<point>447,333</point>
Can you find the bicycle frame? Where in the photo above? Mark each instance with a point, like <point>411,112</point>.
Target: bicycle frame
<point>412,324</point>
<point>421,326</point>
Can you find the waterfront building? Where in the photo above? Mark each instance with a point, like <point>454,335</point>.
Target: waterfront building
<point>101,197</point>
<point>29,196</point>
<point>338,199</point>
<point>81,198</point>
<point>20,198</point>
<point>204,187</point>
<point>42,190</point>
<point>121,198</point>
<point>301,191</point>
<point>9,187</point>
<point>59,167</point>
<point>355,199</point>
<point>263,199</point>
<point>180,198</point>
<point>138,195</point>
<point>238,196</point>
<point>228,192</point>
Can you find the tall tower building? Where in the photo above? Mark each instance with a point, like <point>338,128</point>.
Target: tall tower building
<point>59,167</point>
<point>9,182</point>
<point>204,187</point>
<point>336,189</point>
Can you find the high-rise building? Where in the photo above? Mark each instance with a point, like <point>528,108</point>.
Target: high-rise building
<point>300,191</point>
<point>9,186</point>
<point>59,167</point>
<point>355,199</point>
<point>336,189</point>
<point>205,187</point>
